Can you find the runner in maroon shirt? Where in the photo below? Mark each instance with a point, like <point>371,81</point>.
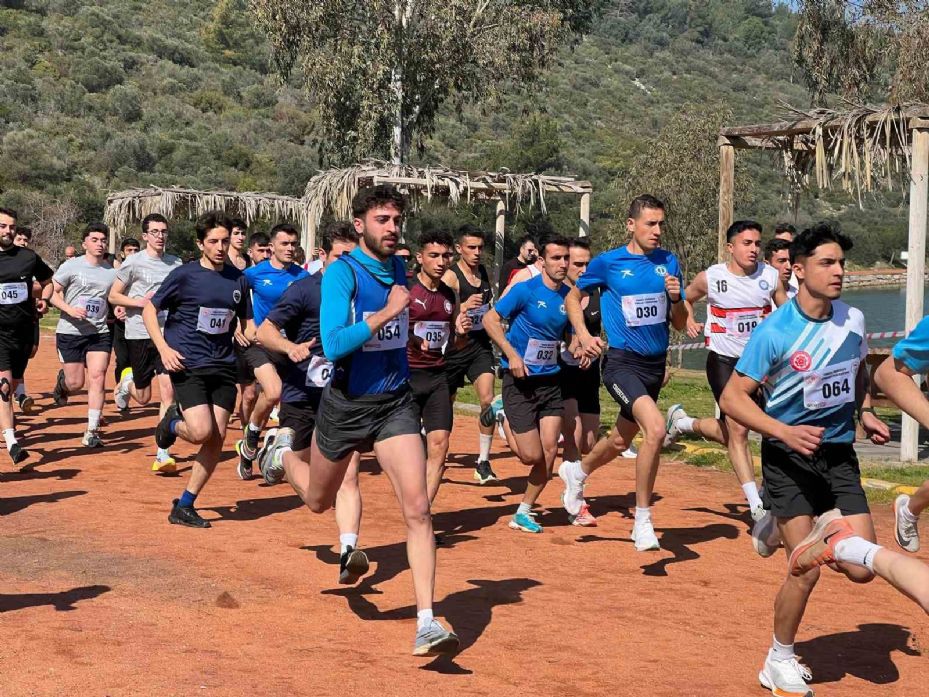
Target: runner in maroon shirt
<point>434,321</point>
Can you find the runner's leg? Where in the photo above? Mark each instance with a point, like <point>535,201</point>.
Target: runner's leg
<point>436,452</point>
<point>571,430</point>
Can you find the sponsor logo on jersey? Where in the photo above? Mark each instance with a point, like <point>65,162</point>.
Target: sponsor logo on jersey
<point>448,306</point>
<point>763,284</point>
<point>236,296</point>
<point>801,361</point>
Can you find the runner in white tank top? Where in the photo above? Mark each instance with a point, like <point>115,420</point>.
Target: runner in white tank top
<point>736,304</point>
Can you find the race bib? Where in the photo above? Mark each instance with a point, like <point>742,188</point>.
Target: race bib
<point>742,322</point>
<point>13,293</point>
<point>214,320</point>
<point>645,309</point>
<point>477,316</point>
<point>95,307</point>
<point>541,354</point>
<point>318,372</point>
<point>435,334</point>
<point>832,386</point>
<point>567,357</point>
<point>391,336</point>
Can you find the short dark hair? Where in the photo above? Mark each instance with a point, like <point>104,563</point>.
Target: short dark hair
<point>10,212</point>
<point>376,196</point>
<point>785,227</point>
<point>257,238</point>
<point>25,231</point>
<point>436,237</point>
<point>806,242</point>
<point>338,231</point>
<point>95,226</point>
<point>552,238</point>
<point>153,218</point>
<point>641,202</point>
<point>129,242</point>
<point>773,246</point>
<point>469,230</point>
<point>210,221</point>
<point>740,226</point>
<point>523,240</point>
<point>402,248</point>
<point>283,227</point>
<point>239,223</point>
<point>579,242</point>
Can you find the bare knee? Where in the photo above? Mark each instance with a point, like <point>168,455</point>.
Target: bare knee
<point>416,511</point>
<point>199,433</point>
<point>653,432</point>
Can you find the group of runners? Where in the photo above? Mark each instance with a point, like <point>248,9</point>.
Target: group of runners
<point>361,352</point>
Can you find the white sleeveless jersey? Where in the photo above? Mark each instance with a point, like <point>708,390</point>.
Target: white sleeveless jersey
<point>736,305</point>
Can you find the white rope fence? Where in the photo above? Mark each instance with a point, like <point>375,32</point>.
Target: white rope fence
<point>701,345</point>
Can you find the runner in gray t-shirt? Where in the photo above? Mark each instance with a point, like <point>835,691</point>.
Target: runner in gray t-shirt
<point>82,285</point>
<point>137,280</point>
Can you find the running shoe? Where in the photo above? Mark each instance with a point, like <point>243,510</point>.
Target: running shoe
<point>483,473</point>
<point>905,532</point>
<point>186,515</point>
<point>353,564</point>
<point>643,535</point>
<point>250,442</point>
<point>501,417</point>
<point>572,498</point>
<point>26,404</point>
<point>487,418</point>
<point>630,453</point>
<point>60,393</point>
<point>675,413</point>
<point>244,467</point>
<point>584,519</point>
<point>271,463</point>
<point>525,522</point>
<point>766,536</point>
<point>786,678</point>
<point>818,547</point>
<point>121,393</point>
<point>18,453</point>
<point>163,436</point>
<point>435,640</point>
<point>91,439</point>
<point>164,465</point>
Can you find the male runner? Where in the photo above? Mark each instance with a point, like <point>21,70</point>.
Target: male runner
<point>787,232</point>
<point>82,336</point>
<point>117,319</point>
<point>70,252</point>
<point>258,250</point>
<point>777,254</point>
<point>364,328</point>
<point>740,293</point>
<point>641,285</point>
<point>405,254</point>
<point>475,358</point>
<point>527,255</point>
<point>291,328</point>
<point>23,238</point>
<point>137,280</point>
<point>266,282</point>
<point>203,299</point>
<point>531,386</point>
<point>127,248</point>
<point>20,267</point>
<point>237,248</point>
<point>810,357</point>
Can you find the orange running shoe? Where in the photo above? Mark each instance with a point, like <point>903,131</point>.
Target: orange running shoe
<point>818,547</point>
<point>585,518</point>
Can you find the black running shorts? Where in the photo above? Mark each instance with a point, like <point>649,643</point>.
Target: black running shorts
<point>15,349</point>
<point>583,386</point>
<point>628,376</point>
<point>213,385</point>
<point>471,362</point>
<point>73,348</point>
<point>244,374</point>
<point>347,424</point>
<point>433,400</point>
<point>301,417</point>
<point>795,485</point>
<point>527,400</point>
<point>719,369</point>
<point>145,361</point>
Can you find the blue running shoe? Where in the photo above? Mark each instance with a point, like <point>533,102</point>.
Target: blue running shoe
<point>524,522</point>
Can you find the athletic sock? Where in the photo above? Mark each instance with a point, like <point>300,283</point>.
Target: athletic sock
<point>278,457</point>
<point>485,442</point>
<point>9,435</point>
<point>578,471</point>
<point>685,425</point>
<point>187,499</point>
<point>907,514</point>
<point>524,508</point>
<point>172,426</point>
<point>751,495</point>
<point>93,419</point>
<point>253,428</point>
<point>346,540</point>
<point>162,455</point>
<point>423,618</point>
<point>781,652</point>
<point>856,550</point>
<point>21,389</point>
<point>643,515</point>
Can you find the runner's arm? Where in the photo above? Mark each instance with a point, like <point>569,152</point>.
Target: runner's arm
<point>895,379</point>
<point>873,425</point>
<point>695,292</point>
<point>118,296</point>
<point>57,300</point>
<point>270,337</point>
<point>494,328</point>
<point>150,320</point>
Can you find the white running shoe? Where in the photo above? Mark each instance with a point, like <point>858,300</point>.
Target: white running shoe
<point>766,536</point>
<point>121,393</point>
<point>906,533</point>
<point>643,535</point>
<point>675,413</point>
<point>573,496</point>
<point>630,453</point>
<point>786,678</point>
<point>275,414</point>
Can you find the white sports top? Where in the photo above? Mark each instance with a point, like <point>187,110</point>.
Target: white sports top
<point>736,305</point>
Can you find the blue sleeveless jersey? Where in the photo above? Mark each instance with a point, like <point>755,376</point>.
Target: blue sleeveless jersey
<point>380,365</point>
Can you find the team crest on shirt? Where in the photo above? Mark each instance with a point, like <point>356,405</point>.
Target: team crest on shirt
<point>562,309</point>
<point>448,306</point>
<point>236,296</point>
<point>801,361</point>
<point>763,284</point>
<point>661,270</point>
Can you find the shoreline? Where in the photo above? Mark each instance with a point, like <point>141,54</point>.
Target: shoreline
<point>873,278</point>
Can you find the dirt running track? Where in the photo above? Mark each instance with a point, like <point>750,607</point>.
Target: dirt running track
<point>101,596</point>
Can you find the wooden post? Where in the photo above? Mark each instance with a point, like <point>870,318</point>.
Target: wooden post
<point>585,215</point>
<point>916,266</point>
<point>499,236</point>
<point>112,242</point>
<point>726,185</point>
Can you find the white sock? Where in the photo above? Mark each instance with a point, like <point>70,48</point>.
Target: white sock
<point>579,473</point>
<point>685,425</point>
<point>423,618</point>
<point>781,652</point>
<point>856,550</point>
<point>346,540</point>
<point>486,442</point>
<point>9,435</point>
<point>162,455</point>
<point>751,495</point>
<point>279,455</point>
<point>21,388</point>
<point>93,419</point>
<point>907,514</point>
<point>253,428</point>
<point>643,515</point>
<point>524,508</point>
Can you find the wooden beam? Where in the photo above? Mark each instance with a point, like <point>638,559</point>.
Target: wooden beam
<point>499,237</point>
<point>916,266</point>
<point>585,215</point>
<point>756,143</point>
<point>111,245</point>
<point>726,202</point>
<point>579,188</point>
<point>800,126</point>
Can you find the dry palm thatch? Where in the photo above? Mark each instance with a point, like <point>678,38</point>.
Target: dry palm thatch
<point>124,207</point>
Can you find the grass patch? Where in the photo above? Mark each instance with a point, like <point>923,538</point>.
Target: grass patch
<point>911,476</point>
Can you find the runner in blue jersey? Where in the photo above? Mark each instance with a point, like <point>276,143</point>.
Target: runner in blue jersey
<point>266,281</point>
<point>531,387</point>
<point>808,356</point>
<point>368,403</point>
<point>640,286</point>
<point>204,299</point>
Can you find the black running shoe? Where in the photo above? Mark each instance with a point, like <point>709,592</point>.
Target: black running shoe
<point>186,515</point>
<point>60,393</point>
<point>353,564</point>
<point>483,473</point>
<point>250,442</point>
<point>18,453</point>
<point>487,418</point>
<point>163,436</point>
